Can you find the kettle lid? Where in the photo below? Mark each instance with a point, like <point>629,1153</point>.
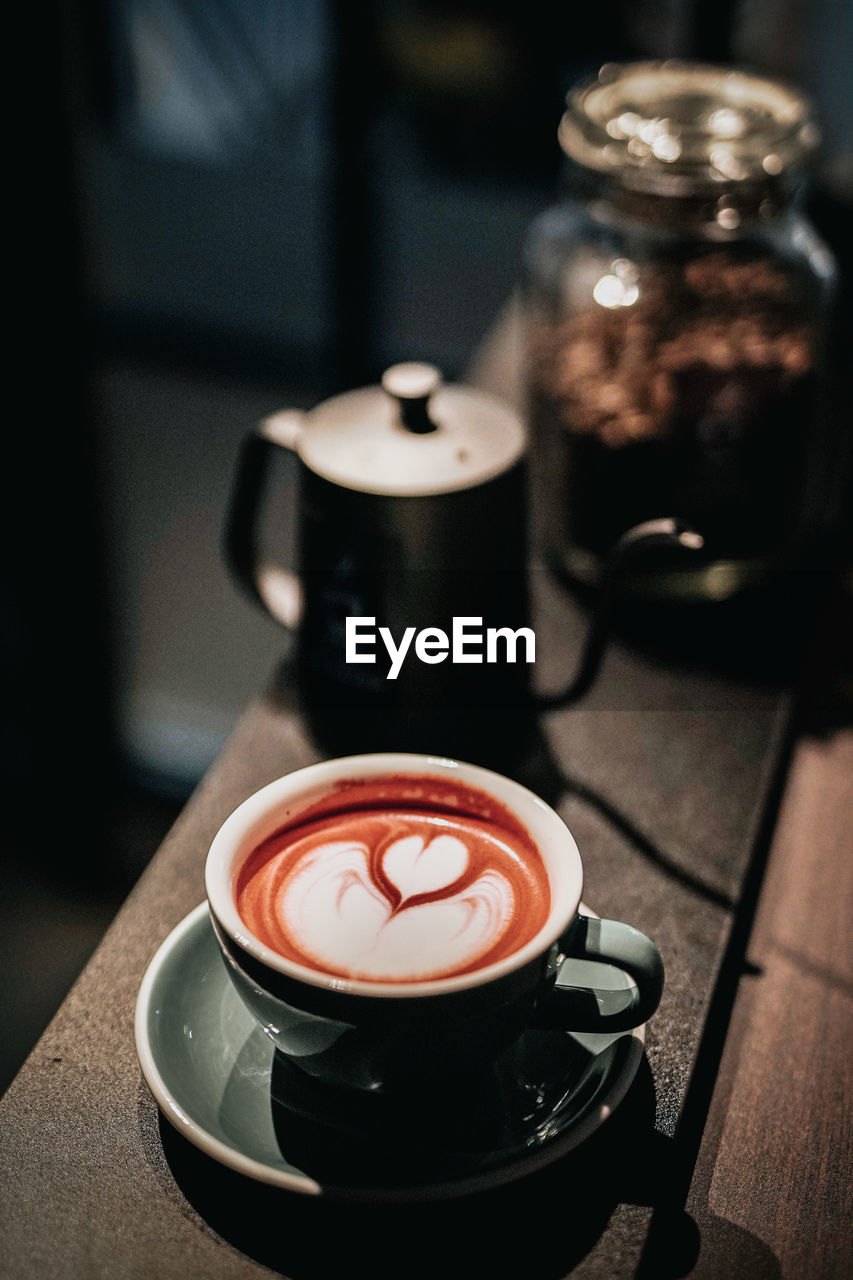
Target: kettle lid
<point>412,436</point>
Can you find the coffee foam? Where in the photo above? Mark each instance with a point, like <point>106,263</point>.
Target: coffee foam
<point>400,880</point>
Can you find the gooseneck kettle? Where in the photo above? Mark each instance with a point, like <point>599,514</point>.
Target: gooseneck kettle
<point>411,603</point>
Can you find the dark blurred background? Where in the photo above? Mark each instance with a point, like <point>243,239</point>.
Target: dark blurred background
<point>222,207</point>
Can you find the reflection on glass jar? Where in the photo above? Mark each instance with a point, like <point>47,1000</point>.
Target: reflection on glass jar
<point>676,306</point>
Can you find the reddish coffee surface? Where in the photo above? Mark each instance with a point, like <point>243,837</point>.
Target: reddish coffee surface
<point>396,878</point>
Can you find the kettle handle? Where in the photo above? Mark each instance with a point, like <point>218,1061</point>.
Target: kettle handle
<point>277,590</point>
<point>642,540</point>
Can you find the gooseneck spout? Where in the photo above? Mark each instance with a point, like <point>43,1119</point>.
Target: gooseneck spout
<point>643,540</point>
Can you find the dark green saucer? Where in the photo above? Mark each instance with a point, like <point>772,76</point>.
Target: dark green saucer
<point>218,1079</point>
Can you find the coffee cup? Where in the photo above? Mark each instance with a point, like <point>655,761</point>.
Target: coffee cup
<point>397,919</point>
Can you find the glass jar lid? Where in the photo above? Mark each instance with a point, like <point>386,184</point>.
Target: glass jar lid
<point>678,128</point>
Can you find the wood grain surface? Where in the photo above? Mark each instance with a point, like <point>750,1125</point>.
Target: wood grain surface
<point>773,1189</point>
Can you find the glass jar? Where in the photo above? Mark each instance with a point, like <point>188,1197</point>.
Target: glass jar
<point>676,307</point>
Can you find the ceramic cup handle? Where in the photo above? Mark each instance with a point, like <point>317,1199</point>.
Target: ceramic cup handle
<point>574,1008</point>
<point>276,589</point>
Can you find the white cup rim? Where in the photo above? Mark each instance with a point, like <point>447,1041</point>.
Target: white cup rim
<point>260,814</point>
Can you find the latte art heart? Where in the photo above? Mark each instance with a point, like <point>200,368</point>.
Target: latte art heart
<point>396,895</point>
<point>348,924</point>
<point>414,866</point>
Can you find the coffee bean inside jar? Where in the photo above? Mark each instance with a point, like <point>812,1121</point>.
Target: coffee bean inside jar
<point>675,314</point>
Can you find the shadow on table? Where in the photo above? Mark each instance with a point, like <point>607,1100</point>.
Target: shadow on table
<point>720,1250</point>
<point>539,1226</point>
<point>508,739</point>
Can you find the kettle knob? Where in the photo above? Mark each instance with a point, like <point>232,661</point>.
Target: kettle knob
<point>411,385</point>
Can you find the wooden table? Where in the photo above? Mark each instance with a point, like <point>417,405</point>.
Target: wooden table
<point>772,1192</point>
<point>667,779</point>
